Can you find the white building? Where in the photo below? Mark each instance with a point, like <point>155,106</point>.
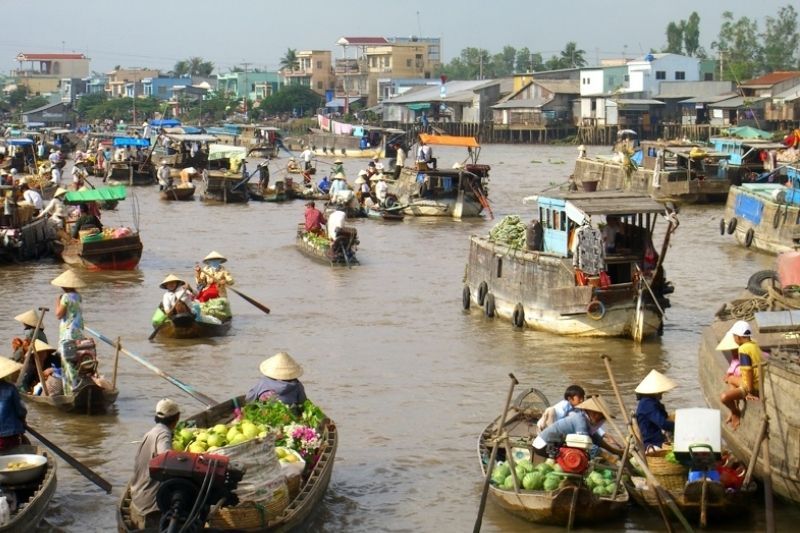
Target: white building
<point>646,74</point>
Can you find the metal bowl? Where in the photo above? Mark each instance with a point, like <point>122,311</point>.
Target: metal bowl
<point>15,477</point>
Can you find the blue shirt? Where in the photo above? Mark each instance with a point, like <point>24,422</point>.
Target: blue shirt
<point>12,412</point>
<point>651,415</point>
<point>324,185</point>
<point>575,422</point>
<point>289,392</point>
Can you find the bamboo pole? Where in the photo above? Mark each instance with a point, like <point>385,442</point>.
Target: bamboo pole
<point>117,348</point>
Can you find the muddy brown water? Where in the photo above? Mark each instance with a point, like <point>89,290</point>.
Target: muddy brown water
<point>409,378</point>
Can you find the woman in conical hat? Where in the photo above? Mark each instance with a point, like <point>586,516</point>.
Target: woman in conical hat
<point>651,414</point>
<point>280,381</point>
<point>212,279</point>
<point>68,306</point>
<point>12,412</point>
<point>29,319</point>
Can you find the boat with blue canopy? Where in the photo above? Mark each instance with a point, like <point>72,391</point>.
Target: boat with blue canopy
<point>128,166</point>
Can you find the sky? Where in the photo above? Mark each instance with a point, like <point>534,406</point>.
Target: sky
<point>158,33</point>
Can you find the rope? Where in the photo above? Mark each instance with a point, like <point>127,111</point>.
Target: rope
<point>745,309</point>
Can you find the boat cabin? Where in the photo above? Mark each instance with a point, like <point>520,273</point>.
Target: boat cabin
<point>179,153</point>
<point>689,160</point>
<point>744,152</point>
<point>225,157</point>
<point>22,154</point>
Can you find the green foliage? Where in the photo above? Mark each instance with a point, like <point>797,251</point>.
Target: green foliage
<point>738,44</point>
<point>122,109</point>
<point>289,59</point>
<point>87,102</point>
<point>691,35</point>
<point>33,102</point>
<point>293,98</point>
<point>781,41</point>
<point>194,66</point>
<point>674,38</point>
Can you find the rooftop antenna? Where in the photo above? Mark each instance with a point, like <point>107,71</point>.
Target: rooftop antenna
<point>419,25</point>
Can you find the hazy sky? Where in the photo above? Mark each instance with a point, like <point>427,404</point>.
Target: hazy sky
<point>157,33</point>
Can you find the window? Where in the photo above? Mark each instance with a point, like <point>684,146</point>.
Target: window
<point>627,78</point>
<point>661,74</point>
<point>680,75</point>
<point>408,63</point>
<point>319,65</point>
<point>319,85</point>
<point>708,76</point>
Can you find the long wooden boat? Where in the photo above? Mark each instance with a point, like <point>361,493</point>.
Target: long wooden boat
<point>542,506</point>
<point>32,498</point>
<point>385,214</point>
<point>745,157</point>
<point>178,194</point>
<point>130,173</point>
<point>371,142</point>
<point>540,287</point>
<point>226,188</point>
<point>339,252</point>
<point>122,253</point>
<point>300,507</point>
<point>87,398</point>
<point>22,237</point>
<point>186,327</point>
<point>455,192</point>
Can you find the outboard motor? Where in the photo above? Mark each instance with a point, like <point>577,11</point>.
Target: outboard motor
<point>573,456</point>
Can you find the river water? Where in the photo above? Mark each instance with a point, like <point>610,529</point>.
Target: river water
<point>409,378</point>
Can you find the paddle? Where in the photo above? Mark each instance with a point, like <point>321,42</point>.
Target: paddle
<point>30,351</point>
<point>188,389</point>
<point>85,471</point>
<point>250,300</point>
<point>493,456</point>
<point>162,324</point>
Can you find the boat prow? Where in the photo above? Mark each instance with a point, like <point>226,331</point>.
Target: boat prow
<point>33,498</point>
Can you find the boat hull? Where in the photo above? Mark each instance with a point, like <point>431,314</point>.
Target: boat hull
<point>773,227</point>
<point>444,199</point>
<point>225,189</point>
<point>180,194</point>
<point>194,330</point>
<point>109,254</point>
<point>88,398</point>
<point>36,505</point>
<point>325,254</point>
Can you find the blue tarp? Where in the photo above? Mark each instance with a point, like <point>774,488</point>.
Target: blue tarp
<point>131,141</point>
<point>165,123</point>
<point>19,142</point>
<point>191,130</point>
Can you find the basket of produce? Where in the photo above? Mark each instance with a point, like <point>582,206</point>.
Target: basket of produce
<point>667,470</point>
<point>92,237</point>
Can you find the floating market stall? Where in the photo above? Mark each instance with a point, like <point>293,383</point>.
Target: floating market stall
<point>334,252</point>
<point>208,319</point>
<point>131,171</point>
<point>22,237</point>
<point>224,181</point>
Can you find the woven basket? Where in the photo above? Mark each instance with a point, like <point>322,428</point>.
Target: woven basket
<point>250,515</point>
<point>672,476</point>
<point>293,482</point>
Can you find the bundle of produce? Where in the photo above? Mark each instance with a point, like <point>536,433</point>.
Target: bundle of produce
<point>218,308</point>
<point>540,477</point>
<point>200,440</point>
<point>509,231</point>
<point>601,482</point>
<point>38,182</point>
<point>317,241</point>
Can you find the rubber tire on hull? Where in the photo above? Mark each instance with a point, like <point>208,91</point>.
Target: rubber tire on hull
<point>756,282</point>
<point>488,306</point>
<point>466,298</point>
<point>732,226</point>
<point>518,317</point>
<point>748,237</point>
<point>722,226</point>
<point>482,290</point>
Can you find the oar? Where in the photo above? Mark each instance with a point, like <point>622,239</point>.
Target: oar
<point>162,324</point>
<point>250,300</point>
<point>85,471</point>
<point>188,389</point>
<point>493,456</point>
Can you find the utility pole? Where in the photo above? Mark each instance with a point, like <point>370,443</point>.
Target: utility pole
<point>246,86</point>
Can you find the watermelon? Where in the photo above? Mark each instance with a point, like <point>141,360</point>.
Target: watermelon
<point>508,484</point>
<point>599,490</point>
<point>529,481</point>
<point>526,464</point>
<point>520,471</point>
<point>544,468</point>
<point>608,474</point>
<point>551,482</point>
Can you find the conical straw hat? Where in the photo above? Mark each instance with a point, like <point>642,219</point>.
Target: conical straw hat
<point>215,255</point>
<point>655,383</point>
<point>727,343</point>
<point>172,277</point>
<point>281,366</point>
<point>40,346</point>
<point>8,367</point>
<point>596,404</point>
<point>69,280</point>
<point>60,191</point>
<point>29,318</point>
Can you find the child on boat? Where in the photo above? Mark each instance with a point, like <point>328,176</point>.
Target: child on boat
<point>573,396</point>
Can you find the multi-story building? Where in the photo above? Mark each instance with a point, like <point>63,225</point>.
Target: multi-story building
<point>314,69</point>
<point>127,82</point>
<point>256,85</point>
<point>162,87</point>
<point>42,73</point>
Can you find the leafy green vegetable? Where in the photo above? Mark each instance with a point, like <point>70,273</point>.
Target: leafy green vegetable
<point>312,415</point>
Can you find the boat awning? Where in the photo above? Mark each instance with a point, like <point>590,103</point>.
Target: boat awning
<point>19,142</point>
<point>131,141</point>
<point>226,151</point>
<point>449,140</point>
<point>99,194</point>
<point>419,106</point>
<point>609,202</point>
<point>193,137</point>
<point>165,123</point>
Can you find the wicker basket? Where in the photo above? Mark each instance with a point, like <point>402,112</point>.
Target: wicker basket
<point>293,482</point>
<point>672,476</point>
<point>250,515</point>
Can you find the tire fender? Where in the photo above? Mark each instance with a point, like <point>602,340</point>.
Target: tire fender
<point>483,289</point>
<point>732,226</point>
<point>596,310</point>
<point>518,317</point>
<point>466,297</point>
<point>722,226</point>
<point>488,305</point>
<point>755,283</point>
<point>748,237</point>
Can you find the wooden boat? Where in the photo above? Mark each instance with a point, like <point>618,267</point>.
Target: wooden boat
<point>186,327</point>
<point>33,498</point>
<point>745,156</point>
<point>311,491</point>
<point>339,252</point>
<point>542,289</point>
<point>219,183</point>
<point>178,194</point>
<point>22,237</point>
<point>456,192</point>
<point>88,397</point>
<point>385,214</point>
<point>542,506</point>
<point>371,142</point>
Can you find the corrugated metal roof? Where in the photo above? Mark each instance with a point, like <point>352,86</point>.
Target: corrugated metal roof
<point>610,202</point>
<point>432,93</point>
<point>738,101</point>
<point>525,103</point>
<point>691,89</point>
<point>708,99</point>
<point>788,95</point>
<point>768,80</point>
<point>637,101</point>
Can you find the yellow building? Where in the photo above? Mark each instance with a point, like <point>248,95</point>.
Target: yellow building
<point>42,73</point>
<point>314,69</point>
<point>127,82</point>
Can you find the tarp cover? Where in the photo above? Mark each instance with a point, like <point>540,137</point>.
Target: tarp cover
<point>226,151</point>
<point>100,194</point>
<point>131,141</point>
<point>748,132</point>
<point>449,140</point>
<point>165,123</point>
<point>19,142</point>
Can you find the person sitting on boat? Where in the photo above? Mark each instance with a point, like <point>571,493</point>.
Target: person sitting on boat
<point>335,222</point>
<point>164,176</point>
<point>425,154</point>
<point>32,197</point>
<point>29,319</point>
<point>324,185</point>
<point>612,233</point>
<point>212,278</point>
<point>12,412</point>
<point>746,385</point>
<point>363,191</point>
<point>573,396</point>
<point>178,298</point>
<point>68,307</point>
<point>337,166</point>
<point>372,169</point>
<point>314,219</point>
<point>585,420</point>
<point>306,155</point>
<point>381,190</point>
<point>49,362</point>
<point>280,381</point>
<point>263,174</point>
<point>651,415</point>
<point>292,165</point>
<point>87,219</point>
<point>187,174</point>
<point>78,176</point>
<point>143,489</point>
<point>339,192</point>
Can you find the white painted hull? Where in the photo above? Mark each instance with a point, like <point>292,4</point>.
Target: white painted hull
<point>442,208</point>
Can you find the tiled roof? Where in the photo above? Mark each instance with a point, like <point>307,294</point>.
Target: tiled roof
<point>772,78</point>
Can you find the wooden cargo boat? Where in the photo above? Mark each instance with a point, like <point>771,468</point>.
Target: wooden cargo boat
<point>543,506</point>
<point>300,507</point>
<point>178,194</point>
<point>364,142</point>
<point>745,157</point>
<point>219,183</point>
<point>22,237</point>
<point>544,287</point>
<point>33,498</point>
<point>131,172</point>
<point>87,398</point>
<point>385,213</point>
<point>186,327</point>
<point>339,252</point>
<point>456,192</point>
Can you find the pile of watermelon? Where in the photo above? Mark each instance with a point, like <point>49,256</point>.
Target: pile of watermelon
<point>543,476</point>
<point>601,482</point>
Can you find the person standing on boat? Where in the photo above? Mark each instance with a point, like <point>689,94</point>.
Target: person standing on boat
<point>12,412</point>
<point>381,190</point>
<point>280,381</point>
<point>28,319</point>
<point>68,307</point>
<point>143,489</point>
<point>651,415</point>
<point>306,156</point>
<point>362,187</point>
<point>314,219</point>
<point>400,160</point>
<point>212,279</point>
<point>745,386</point>
<point>163,176</point>
<point>337,166</point>
<point>31,196</point>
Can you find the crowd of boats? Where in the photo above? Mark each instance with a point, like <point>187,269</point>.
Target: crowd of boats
<point>586,264</point>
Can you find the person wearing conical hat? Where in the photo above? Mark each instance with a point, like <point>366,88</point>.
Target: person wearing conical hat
<point>338,166</point>
<point>279,381</point>
<point>651,415</point>
<point>68,306</point>
<point>381,188</point>
<point>29,319</point>
<point>57,210</point>
<point>12,412</point>
<point>363,190</point>
<point>212,278</point>
<point>50,362</point>
<point>164,175</point>
<point>292,165</point>
<point>178,298</point>
<point>745,385</point>
<point>588,419</point>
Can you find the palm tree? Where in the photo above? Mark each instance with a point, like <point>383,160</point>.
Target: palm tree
<point>181,68</point>
<point>199,67</point>
<point>289,60</point>
<point>572,57</point>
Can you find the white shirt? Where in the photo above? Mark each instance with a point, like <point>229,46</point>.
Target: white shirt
<point>56,209</point>
<point>33,198</point>
<point>306,155</point>
<point>401,157</point>
<point>170,298</point>
<point>53,158</point>
<point>55,174</point>
<point>335,221</point>
<point>338,185</point>
<point>163,175</point>
<point>427,153</point>
<point>381,188</point>
<point>77,174</point>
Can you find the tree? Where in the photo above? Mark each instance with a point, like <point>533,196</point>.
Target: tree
<point>674,38</point>
<point>33,102</point>
<point>739,48</point>
<point>181,68</point>
<point>194,66</point>
<point>471,64</point>
<point>87,102</point>
<point>572,56</point>
<point>289,59</point>
<point>503,63</point>
<point>293,98</point>
<point>781,41</point>
<point>691,35</point>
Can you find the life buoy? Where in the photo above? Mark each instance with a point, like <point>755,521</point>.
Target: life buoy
<point>465,297</point>
<point>596,310</point>
<point>482,290</point>
<point>748,237</point>
<point>722,226</point>
<point>732,226</point>
<point>488,306</point>
<point>518,317</point>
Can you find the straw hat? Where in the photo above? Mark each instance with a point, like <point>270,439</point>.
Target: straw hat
<point>215,255</point>
<point>363,172</point>
<point>338,161</point>
<point>40,346</point>
<point>171,278</point>
<point>727,343</point>
<point>29,318</point>
<point>166,408</point>
<point>339,176</point>
<point>379,166</point>
<point>68,280</point>
<point>655,383</point>
<point>281,366</point>
<point>8,367</point>
<point>59,192</point>
<point>457,166</point>
<point>596,404</point>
